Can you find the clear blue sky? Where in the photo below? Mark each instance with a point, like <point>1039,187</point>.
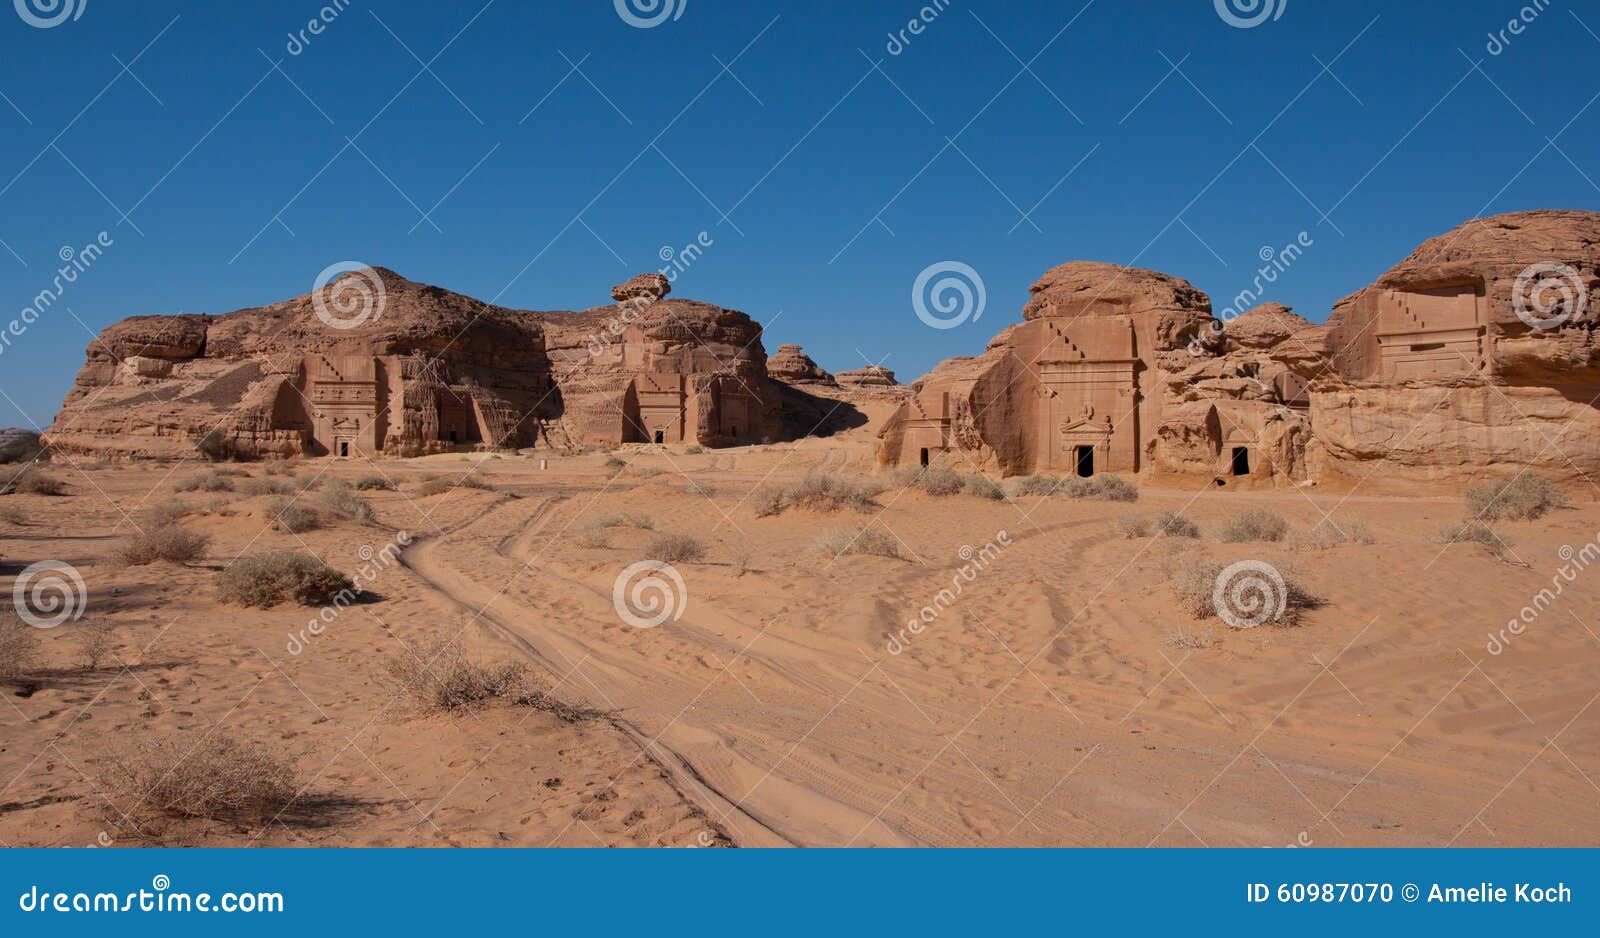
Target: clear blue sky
<point>825,186</point>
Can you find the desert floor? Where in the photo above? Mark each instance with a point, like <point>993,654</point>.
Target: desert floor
<point>1062,699</point>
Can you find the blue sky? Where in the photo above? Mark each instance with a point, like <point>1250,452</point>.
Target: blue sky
<point>550,149</point>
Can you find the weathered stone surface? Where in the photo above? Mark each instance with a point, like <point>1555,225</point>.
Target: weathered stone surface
<point>790,363</point>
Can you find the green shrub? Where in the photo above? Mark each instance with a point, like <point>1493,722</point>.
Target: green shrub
<point>264,580</point>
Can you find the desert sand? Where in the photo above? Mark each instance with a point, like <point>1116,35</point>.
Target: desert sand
<point>1062,699</point>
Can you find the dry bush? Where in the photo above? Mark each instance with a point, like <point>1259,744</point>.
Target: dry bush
<point>1475,532</point>
<point>1133,526</point>
<point>817,492</point>
<point>1176,524</point>
<point>695,450</point>
<point>209,481</point>
<point>374,484</point>
<point>705,489</point>
<point>1524,498</point>
<point>595,538</point>
<point>279,468</point>
<point>1196,583</point>
<point>840,542</point>
<point>170,543</point>
<point>1035,485</point>
<point>216,446</point>
<point>981,486</point>
<point>620,520</point>
<point>1181,637</point>
<point>340,500</point>
<point>13,514</point>
<point>473,482</point>
<point>214,777</point>
<point>436,675</point>
<point>35,481</point>
<point>434,486</point>
<point>264,580</point>
<point>94,646</point>
<point>615,464</point>
<point>649,472</point>
<point>1107,488</point>
<point>272,486</point>
<point>21,447</point>
<point>674,548</point>
<point>165,512</point>
<point>19,649</point>
<point>1329,533</point>
<point>288,515</point>
<point>937,481</point>
<point>1255,524</point>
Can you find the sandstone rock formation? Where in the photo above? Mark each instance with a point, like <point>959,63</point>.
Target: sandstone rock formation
<point>375,364</point>
<point>1112,369</point>
<point>791,364</point>
<point>1475,356</point>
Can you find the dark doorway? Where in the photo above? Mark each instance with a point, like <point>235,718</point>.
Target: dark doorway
<point>344,449</point>
<point>453,436</point>
<point>661,437</point>
<point>1085,461</point>
<point>1241,460</point>
<point>924,455</point>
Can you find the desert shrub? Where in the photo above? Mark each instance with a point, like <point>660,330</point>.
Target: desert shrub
<point>1175,524</point>
<point>619,520</point>
<point>374,484</point>
<point>649,472</point>
<point>1108,488</point>
<point>674,548</point>
<point>210,481</point>
<point>274,486</point>
<point>981,486</point>
<point>615,464</point>
<point>216,446</point>
<point>35,481</point>
<point>1181,637</point>
<point>1256,524</point>
<point>215,777</point>
<point>279,468</point>
<point>1328,533</point>
<point>818,492</point>
<point>13,514</point>
<point>592,537</point>
<point>1475,532</point>
<point>434,486</point>
<point>438,676</point>
<point>1035,485</point>
<point>473,482</point>
<point>840,542</point>
<point>695,450</point>
<point>932,480</point>
<point>94,646</point>
<point>19,649</point>
<point>289,516</point>
<point>165,512</point>
<point>1524,498</point>
<point>340,500</point>
<point>170,543</point>
<point>695,487</point>
<point>264,580</point>
<point>1196,583</point>
<point>1133,526</point>
<point>21,446</point>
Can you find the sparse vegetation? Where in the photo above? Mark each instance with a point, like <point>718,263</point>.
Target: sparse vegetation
<point>264,580</point>
<point>165,512</point>
<point>840,542</point>
<point>94,645</point>
<point>215,777</point>
<point>1476,532</point>
<point>438,676</point>
<point>695,450</point>
<point>1035,485</point>
<point>1176,524</point>
<point>1196,584</point>
<point>23,446</point>
<point>615,464</point>
<point>935,480</point>
<point>433,486</point>
<point>35,481</point>
<point>13,514</point>
<point>1329,533</point>
<point>981,486</point>
<point>170,543</point>
<point>696,487</point>
<point>618,520</point>
<point>674,548</point>
<point>209,481</point>
<point>1110,488</point>
<point>374,484</point>
<point>1133,526</point>
<point>817,492</point>
<point>271,486</point>
<point>289,516</point>
<point>340,500</point>
<point>1181,637</point>
<point>1526,497</point>
<point>1255,524</point>
<point>19,649</point>
<point>216,446</point>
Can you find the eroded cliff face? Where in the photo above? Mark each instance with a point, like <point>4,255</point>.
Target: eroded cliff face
<point>1113,369</point>
<point>374,364</point>
<point>1474,357</point>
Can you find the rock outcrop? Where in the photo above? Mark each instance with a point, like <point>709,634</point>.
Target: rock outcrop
<point>375,364</point>
<point>791,364</point>
<point>1475,356</point>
